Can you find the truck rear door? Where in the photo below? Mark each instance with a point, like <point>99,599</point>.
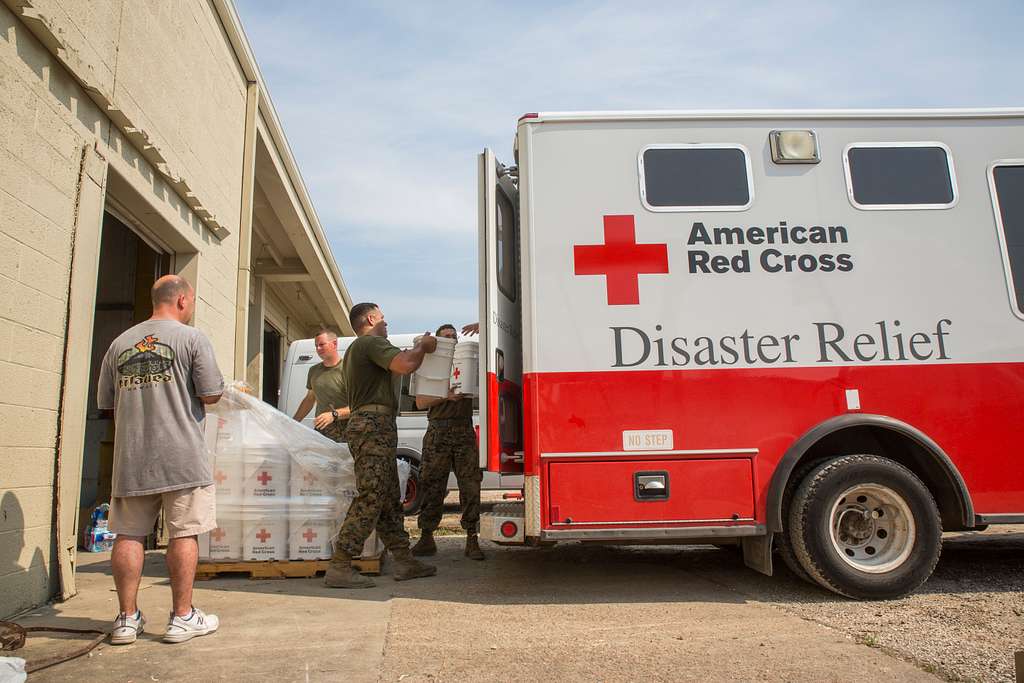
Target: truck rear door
<point>501,345</point>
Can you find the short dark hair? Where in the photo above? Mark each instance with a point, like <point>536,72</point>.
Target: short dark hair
<point>446,326</point>
<point>167,289</point>
<point>357,315</point>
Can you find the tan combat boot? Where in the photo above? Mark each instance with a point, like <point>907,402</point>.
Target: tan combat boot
<point>407,567</point>
<point>341,574</point>
<point>473,551</point>
<point>425,546</point>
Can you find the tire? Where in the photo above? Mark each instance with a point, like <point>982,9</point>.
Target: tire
<point>865,527</point>
<point>783,544</point>
<point>413,493</point>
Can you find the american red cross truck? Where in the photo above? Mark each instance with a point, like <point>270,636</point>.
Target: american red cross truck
<point>799,332</point>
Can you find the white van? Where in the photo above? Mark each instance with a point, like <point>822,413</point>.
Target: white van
<point>412,423</point>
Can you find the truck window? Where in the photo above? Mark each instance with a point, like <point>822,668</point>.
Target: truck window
<point>906,175</point>
<point>1007,183</point>
<point>696,177</point>
<point>506,242</point>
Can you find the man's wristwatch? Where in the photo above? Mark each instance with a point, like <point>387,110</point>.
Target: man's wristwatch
<point>334,414</point>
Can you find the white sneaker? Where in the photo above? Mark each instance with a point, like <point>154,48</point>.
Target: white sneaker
<point>180,629</point>
<point>127,628</point>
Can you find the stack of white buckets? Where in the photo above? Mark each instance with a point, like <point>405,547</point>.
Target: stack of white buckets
<point>268,508</point>
<point>452,366</point>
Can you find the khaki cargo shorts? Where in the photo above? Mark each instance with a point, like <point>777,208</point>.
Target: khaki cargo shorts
<point>188,512</point>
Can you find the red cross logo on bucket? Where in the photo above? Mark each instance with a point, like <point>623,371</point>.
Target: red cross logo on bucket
<point>264,477</point>
<point>309,535</point>
<point>218,534</point>
<point>263,535</point>
<point>621,260</point>
<point>456,372</point>
<point>309,478</point>
<point>219,477</point>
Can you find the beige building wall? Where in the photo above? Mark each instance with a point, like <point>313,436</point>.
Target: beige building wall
<point>167,147</point>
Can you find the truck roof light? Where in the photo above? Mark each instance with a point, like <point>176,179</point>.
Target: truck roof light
<point>794,147</point>
<point>530,115</point>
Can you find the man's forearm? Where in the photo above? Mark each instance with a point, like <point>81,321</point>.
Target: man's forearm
<point>304,408</point>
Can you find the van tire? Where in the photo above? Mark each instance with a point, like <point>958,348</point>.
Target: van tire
<point>783,545</point>
<point>865,527</point>
<point>414,496</point>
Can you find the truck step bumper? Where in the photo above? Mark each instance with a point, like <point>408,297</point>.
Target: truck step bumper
<point>504,524</point>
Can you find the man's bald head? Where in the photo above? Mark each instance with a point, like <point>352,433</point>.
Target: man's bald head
<point>174,297</point>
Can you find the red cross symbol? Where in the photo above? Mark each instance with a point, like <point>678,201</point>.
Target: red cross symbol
<point>263,535</point>
<point>456,372</point>
<point>218,534</point>
<point>264,477</point>
<point>621,260</point>
<point>219,477</point>
<point>309,478</point>
<point>309,535</point>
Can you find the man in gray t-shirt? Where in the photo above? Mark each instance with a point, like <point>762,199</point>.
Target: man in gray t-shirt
<point>157,378</point>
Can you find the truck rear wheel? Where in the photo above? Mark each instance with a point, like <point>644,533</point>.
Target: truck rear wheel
<point>865,527</point>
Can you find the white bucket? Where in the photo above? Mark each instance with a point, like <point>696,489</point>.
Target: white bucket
<point>465,377</point>
<point>265,538</point>
<point>431,379</point>
<point>266,474</point>
<point>240,431</point>
<point>305,483</point>
<point>310,539</point>
<point>223,543</point>
<point>229,477</point>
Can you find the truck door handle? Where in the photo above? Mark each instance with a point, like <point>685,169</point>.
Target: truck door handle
<point>650,486</point>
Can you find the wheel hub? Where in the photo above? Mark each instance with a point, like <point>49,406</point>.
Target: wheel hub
<point>872,528</point>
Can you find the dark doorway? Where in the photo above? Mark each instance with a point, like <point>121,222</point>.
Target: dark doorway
<point>127,270</point>
<point>271,364</point>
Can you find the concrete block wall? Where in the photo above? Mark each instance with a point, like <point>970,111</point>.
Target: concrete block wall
<point>168,68</point>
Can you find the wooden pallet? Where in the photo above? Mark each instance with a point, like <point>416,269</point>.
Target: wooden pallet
<point>280,569</point>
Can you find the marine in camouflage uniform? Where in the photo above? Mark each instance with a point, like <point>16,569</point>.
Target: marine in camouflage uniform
<point>450,444</point>
<point>373,439</point>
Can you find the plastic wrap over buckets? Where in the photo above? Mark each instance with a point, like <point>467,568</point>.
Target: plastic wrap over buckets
<point>431,379</point>
<point>224,542</point>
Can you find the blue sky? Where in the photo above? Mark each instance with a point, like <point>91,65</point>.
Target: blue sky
<point>386,105</point>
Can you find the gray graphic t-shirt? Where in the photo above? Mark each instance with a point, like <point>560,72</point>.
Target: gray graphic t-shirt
<point>152,377</point>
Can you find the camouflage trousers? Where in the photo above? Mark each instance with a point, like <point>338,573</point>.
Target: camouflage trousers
<point>445,448</point>
<point>373,440</point>
<point>335,431</point>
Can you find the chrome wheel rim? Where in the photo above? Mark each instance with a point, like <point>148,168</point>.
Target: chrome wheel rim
<point>872,528</point>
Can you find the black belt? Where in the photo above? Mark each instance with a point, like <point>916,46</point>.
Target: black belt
<point>374,408</point>
<point>451,422</point>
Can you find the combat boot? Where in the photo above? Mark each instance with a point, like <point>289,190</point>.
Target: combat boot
<point>473,551</point>
<point>407,567</point>
<point>341,574</point>
<point>425,546</point>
